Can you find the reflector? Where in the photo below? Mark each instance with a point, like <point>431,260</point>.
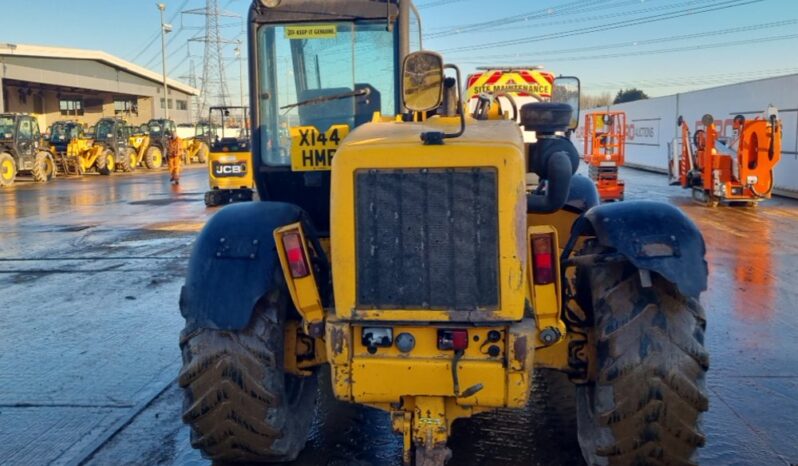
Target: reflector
<point>542,259</point>
<point>295,253</point>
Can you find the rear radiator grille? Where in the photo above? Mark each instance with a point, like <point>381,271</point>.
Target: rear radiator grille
<point>427,238</point>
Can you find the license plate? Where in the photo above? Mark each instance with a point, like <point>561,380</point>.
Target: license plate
<point>236,169</point>
<point>312,150</point>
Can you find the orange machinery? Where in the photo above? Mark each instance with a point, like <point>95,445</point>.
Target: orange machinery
<point>739,169</point>
<point>605,139</point>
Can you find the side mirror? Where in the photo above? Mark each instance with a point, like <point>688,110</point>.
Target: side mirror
<point>566,90</point>
<point>422,81</point>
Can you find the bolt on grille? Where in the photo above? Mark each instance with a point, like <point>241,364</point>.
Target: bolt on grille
<point>427,238</point>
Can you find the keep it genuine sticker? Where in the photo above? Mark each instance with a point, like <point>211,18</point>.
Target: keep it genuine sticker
<point>311,31</point>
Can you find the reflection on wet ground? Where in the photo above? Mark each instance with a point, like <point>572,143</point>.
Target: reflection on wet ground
<point>751,304</point>
<point>752,323</point>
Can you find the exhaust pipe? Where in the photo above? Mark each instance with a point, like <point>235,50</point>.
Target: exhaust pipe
<point>555,160</point>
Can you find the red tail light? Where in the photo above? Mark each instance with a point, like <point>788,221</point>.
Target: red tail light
<point>452,340</point>
<point>295,253</point>
<point>543,258</point>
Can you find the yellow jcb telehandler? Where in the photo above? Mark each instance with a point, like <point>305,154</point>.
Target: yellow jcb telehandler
<point>146,156</point>
<point>397,242</point>
<point>67,142</point>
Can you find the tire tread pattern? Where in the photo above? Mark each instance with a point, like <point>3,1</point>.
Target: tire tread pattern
<point>39,171</point>
<point>649,392</point>
<point>125,162</point>
<point>150,158</point>
<point>235,395</point>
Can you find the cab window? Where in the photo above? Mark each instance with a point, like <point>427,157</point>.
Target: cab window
<point>25,129</point>
<point>338,74</point>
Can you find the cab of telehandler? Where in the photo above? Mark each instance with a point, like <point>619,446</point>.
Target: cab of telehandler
<point>319,70</point>
<point>62,132</point>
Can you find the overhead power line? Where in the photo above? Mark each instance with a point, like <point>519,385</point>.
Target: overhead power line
<point>606,27</point>
<point>518,17</point>
<point>172,38</point>
<point>635,43</point>
<point>158,34</point>
<point>437,3</point>
<point>688,48</point>
<point>548,22</point>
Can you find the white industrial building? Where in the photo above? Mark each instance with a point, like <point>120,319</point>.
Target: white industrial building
<point>651,123</point>
<point>56,83</point>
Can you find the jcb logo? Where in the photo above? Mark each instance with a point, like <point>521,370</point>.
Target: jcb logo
<point>229,169</point>
<point>222,170</point>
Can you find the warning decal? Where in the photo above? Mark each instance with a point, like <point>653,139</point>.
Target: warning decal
<point>520,82</point>
<point>311,31</point>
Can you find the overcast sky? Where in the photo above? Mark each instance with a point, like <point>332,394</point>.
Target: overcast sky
<point>660,46</point>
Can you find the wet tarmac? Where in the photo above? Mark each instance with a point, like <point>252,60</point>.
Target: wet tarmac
<point>90,271</point>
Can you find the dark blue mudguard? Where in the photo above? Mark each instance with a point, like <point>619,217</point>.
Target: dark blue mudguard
<point>233,264</point>
<point>653,236</point>
<point>582,194</point>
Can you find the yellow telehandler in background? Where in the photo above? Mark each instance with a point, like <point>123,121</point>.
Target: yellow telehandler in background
<point>69,147</point>
<point>146,156</point>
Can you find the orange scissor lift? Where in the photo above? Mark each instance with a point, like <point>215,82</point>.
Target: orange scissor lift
<point>605,139</point>
<point>739,170</point>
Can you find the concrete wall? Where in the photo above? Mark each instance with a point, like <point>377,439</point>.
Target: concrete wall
<point>652,123</point>
<point>48,109</point>
<point>179,116</point>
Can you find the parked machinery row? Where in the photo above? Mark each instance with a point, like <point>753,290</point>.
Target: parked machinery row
<point>71,148</point>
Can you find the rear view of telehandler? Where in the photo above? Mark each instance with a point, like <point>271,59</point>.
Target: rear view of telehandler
<point>735,171</point>
<point>605,142</point>
<point>396,241</point>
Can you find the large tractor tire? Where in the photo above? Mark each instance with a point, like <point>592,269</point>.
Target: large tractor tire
<point>645,404</point>
<point>153,158</point>
<point>127,161</point>
<point>8,169</point>
<point>202,153</point>
<point>105,163</point>
<point>240,404</point>
<point>43,167</point>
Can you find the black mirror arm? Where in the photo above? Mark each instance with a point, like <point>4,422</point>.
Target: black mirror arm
<point>437,137</point>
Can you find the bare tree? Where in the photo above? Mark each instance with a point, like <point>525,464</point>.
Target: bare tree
<point>592,101</point>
